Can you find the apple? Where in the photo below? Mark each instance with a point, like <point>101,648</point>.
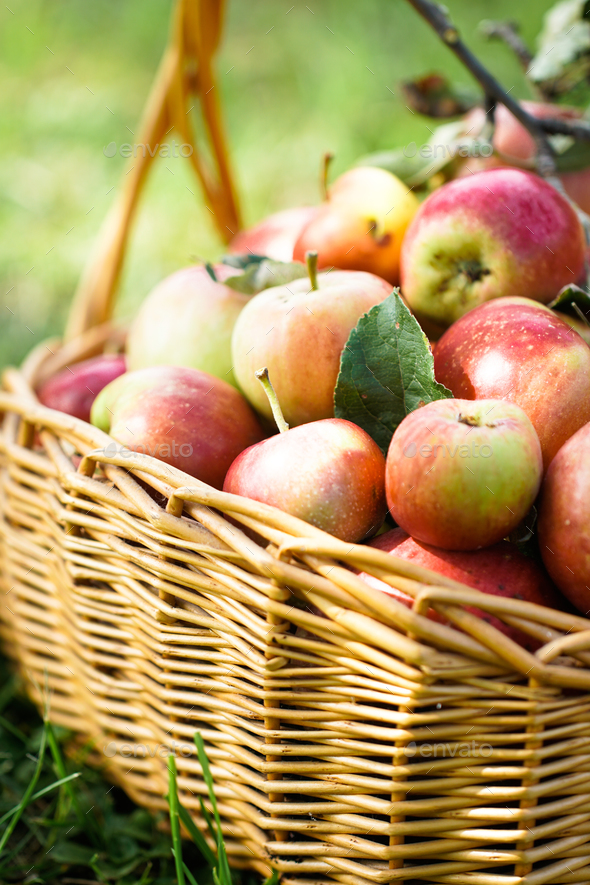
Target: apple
<point>501,570</point>
<point>73,389</point>
<point>275,236</point>
<point>362,223</point>
<point>299,332</point>
<point>513,140</point>
<point>517,350</point>
<point>182,416</point>
<point>564,519</point>
<point>499,232</point>
<point>329,473</point>
<point>187,320</point>
<point>462,474</point>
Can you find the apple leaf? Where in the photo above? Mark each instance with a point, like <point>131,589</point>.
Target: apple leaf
<point>386,371</point>
<point>573,301</point>
<point>261,273</point>
<point>570,155</point>
<point>416,164</point>
<point>561,66</point>
<point>242,260</point>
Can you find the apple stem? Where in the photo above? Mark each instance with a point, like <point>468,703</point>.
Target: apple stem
<point>311,260</point>
<point>277,412</point>
<point>328,157</point>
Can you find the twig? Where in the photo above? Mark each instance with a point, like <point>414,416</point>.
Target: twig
<point>539,129</point>
<point>442,25</point>
<point>508,33</point>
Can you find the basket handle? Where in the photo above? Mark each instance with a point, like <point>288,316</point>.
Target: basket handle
<point>185,72</point>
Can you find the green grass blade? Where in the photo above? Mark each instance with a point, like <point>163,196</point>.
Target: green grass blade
<point>208,820</point>
<point>27,795</point>
<point>207,776</point>
<point>173,803</point>
<point>39,793</point>
<point>196,835</point>
<point>223,863</point>
<point>189,875</point>
<point>60,767</point>
<point>8,726</point>
<point>273,879</point>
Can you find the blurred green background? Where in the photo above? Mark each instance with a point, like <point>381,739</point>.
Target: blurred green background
<point>301,79</point>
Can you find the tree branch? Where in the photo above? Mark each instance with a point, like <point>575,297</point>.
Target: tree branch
<point>508,33</point>
<point>494,92</point>
<point>539,129</point>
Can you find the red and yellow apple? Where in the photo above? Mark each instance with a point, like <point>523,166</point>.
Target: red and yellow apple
<point>501,570</point>
<point>564,519</point>
<point>520,351</point>
<point>497,233</point>
<point>329,473</point>
<point>184,417</point>
<point>299,332</point>
<point>462,474</point>
<point>362,223</point>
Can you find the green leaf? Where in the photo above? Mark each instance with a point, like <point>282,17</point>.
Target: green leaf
<point>415,164</point>
<point>562,63</point>
<point>265,274</point>
<point>575,156</point>
<point>386,371</point>
<point>569,298</point>
<point>242,260</point>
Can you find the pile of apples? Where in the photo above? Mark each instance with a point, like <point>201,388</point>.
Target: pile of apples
<point>212,369</point>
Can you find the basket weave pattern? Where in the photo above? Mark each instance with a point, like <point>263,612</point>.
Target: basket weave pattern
<point>350,737</point>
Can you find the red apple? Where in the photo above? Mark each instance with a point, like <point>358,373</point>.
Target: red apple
<point>299,331</point>
<point>329,473</point>
<point>564,519</point>
<point>513,140</point>
<point>275,236</point>
<point>184,417</point>
<point>74,389</point>
<point>187,320</point>
<point>497,233</point>
<point>362,223</point>
<point>501,570</point>
<point>517,350</point>
<point>462,474</point>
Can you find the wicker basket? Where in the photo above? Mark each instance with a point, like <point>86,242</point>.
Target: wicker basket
<point>350,738</point>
